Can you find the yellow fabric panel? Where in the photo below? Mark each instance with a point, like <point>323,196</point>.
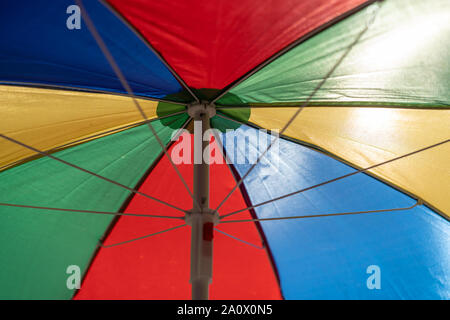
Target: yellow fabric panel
<point>47,118</point>
<point>367,136</point>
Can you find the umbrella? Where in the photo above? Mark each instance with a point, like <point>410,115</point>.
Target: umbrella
<point>225,149</point>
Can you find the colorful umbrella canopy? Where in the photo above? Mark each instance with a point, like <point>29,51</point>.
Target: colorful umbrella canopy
<point>330,155</point>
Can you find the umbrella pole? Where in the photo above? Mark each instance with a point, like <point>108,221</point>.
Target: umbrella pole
<point>201,218</point>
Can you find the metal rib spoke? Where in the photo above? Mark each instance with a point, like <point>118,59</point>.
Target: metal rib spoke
<point>89,211</point>
<point>89,172</point>
<point>231,119</point>
<point>140,238</point>
<point>97,135</point>
<point>439,106</point>
<point>127,87</point>
<point>294,44</point>
<point>150,46</point>
<point>81,89</point>
<point>291,120</point>
<point>337,179</point>
<point>240,240</point>
<point>419,202</point>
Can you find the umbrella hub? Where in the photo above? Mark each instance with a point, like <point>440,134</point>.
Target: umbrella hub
<point>206,215</point>
<point>195,110</point>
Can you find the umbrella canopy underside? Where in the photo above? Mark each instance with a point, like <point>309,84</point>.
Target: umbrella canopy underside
<point>359,90</point>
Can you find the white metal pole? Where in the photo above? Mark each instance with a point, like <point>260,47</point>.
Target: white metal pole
<point>201,218</point>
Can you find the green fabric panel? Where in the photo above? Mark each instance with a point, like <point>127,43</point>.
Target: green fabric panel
<point>37,246</point>
<point>402,60</point>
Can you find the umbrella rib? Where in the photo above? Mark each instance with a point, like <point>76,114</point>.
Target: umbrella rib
<point>240,240</point>
<point>150,46</point>
<point>330,72</point>
<point>338,178</point>
<point>231,119</point>
<point>227,160</point>
<point>348,106</point>
<point>89,172</point>
<point>291,46</point>
<point>102,212</point>
<point>139,238</point>
<point>81,89</point>
<point>127,87</point>
<point>89,211</point>
<point>101,134</point>
<point>419,202</point>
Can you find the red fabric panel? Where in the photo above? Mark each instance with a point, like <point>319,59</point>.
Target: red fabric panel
<point>212,43</point>
<point>158,267</point>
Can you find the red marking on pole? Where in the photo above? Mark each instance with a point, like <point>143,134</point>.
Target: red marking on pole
<point>208,231</point>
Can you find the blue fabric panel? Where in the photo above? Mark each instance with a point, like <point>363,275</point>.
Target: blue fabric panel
<point>328,257</point>
<point>37,47</point>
